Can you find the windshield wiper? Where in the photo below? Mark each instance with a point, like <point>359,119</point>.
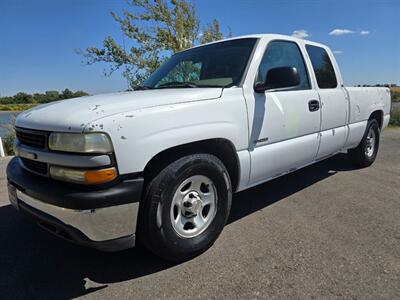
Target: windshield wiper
<point>142,88</point>
<point>177,84</point>
<point>212,86</point>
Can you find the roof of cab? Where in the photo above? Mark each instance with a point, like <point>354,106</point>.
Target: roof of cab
<point>266,35</point>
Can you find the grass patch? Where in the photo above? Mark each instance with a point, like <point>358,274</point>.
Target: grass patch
<point>395,118</point>
<point>395,93</point>
<point>15,107</point>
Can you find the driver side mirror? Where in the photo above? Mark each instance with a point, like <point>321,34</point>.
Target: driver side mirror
<point>279,78</point>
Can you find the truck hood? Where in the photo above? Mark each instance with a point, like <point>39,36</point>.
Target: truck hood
<point>74,114</point>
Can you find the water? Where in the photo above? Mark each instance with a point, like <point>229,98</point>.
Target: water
<point>6,118</point>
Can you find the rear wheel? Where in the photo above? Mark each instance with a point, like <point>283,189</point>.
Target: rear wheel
<point>365,153</point>
<point>186,207</point>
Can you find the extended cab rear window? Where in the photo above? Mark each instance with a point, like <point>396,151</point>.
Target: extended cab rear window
<point>322,65</point>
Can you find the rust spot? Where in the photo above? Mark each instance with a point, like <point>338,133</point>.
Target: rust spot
<point>123,138</point>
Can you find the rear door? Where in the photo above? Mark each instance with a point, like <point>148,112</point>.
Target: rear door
<point>284,133</point>
<point>334,103</point>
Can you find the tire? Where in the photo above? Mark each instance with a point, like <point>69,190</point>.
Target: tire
<point>174,221</point>
<point>365,153</point>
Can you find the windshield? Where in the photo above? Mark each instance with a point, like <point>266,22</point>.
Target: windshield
<point>215,65</point>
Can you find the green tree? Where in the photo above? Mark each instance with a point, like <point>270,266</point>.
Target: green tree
<point>67,94</point>
<point>154,29</point>
<point>80,94</point>
<point>22,98</point>
<point>38,98</point>
<point>212,33</point>
<point>51,96</point>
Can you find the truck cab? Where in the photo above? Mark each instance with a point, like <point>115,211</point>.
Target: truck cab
<point>160,164</point>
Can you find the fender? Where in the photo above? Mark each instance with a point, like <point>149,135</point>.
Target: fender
<point>139,135</point>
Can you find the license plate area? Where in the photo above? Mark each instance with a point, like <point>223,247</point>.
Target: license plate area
<point>12,195</point>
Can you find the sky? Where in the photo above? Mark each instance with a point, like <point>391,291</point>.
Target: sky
<point>38,38</point>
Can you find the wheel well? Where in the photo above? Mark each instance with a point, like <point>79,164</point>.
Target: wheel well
<point>378,116</point>
<point>221,148</point>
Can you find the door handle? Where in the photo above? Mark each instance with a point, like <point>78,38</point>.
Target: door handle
<point>313,105</point>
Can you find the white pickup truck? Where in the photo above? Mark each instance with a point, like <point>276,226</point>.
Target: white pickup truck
<point>160,163</point>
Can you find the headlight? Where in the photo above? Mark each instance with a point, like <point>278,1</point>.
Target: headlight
<point>83,176</point>
<point>80,142</point>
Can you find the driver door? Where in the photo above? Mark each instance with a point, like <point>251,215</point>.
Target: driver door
<point>286,124</point>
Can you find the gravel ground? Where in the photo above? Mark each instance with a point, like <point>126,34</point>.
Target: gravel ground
<point>327,231</point>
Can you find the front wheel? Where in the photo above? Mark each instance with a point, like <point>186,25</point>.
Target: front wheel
<point>365,153</point>
<point>186,207</point>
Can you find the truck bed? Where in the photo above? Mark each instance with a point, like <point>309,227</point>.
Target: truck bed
<point>365,100</point>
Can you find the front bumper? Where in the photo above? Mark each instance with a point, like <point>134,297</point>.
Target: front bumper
<point>103,218</point>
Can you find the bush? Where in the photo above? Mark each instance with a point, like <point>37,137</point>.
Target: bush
<point>9,139</point>
<point>395,94</point>
<point>395,117</point>
<point>49,96</point>
<point>8,143</point>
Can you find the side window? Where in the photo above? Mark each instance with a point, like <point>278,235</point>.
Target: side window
<point>284,54</point>
<point>322,65</point>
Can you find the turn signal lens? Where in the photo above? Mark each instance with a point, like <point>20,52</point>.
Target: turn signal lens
<point>83,176</point>
<point>100,176</point>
